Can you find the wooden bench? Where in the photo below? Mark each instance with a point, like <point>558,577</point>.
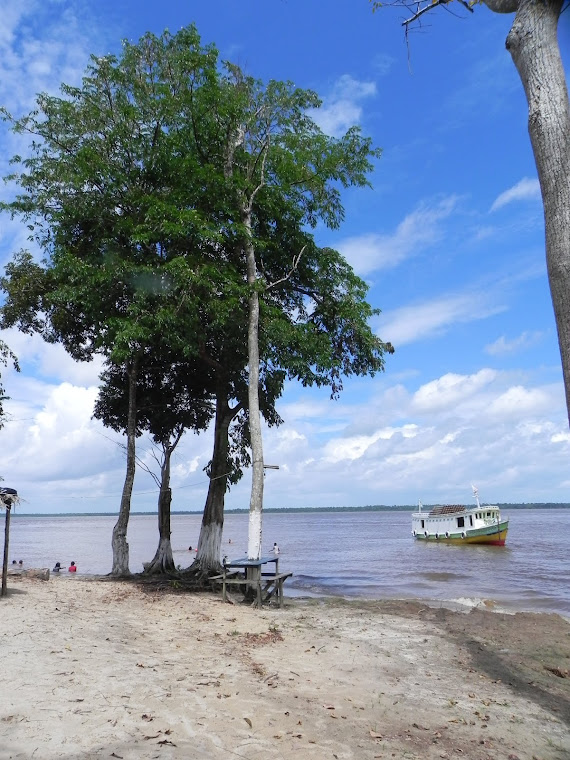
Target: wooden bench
<point>273,585</point>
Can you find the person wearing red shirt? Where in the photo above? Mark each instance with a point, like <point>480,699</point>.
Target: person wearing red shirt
<point>72,568</point>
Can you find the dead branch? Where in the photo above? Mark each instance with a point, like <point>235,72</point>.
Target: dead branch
<point>294,265</point>
<point>428,7</point>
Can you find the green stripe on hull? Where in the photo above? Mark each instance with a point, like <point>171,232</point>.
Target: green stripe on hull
<point>489,535</point>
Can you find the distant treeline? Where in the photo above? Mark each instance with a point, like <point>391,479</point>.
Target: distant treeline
<point>394,508</point>
<point>369,508</point>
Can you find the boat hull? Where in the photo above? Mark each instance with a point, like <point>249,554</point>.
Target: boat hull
<point>493,535</point>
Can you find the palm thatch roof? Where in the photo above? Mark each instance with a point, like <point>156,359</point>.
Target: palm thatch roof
<point>8,497</point>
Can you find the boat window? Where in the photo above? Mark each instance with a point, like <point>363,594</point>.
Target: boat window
<point>488,514</point>
<point>471,520</point>
<point>423,524</point>
<point>460,522</point>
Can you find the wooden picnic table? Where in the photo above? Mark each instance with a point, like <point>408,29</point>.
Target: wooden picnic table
<point>260,585</point>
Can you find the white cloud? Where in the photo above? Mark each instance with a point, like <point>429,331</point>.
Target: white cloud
<point>418,230</point>
<point>518,400</point>
<point>354,447</point>
<point>450,389</point>
<point>342,108</point>
<point>42,45</point>
<point>526,189</point>
<point>50,361</point>
<point>507,437</point>
<point>524,341</point>
<point>433,318</point>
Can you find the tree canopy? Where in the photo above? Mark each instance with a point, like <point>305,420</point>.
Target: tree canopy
<point>173,197</point>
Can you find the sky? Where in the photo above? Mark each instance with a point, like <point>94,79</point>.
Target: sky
<point>450,239</point>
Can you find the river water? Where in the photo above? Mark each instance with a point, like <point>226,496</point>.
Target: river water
<point>352,554</point>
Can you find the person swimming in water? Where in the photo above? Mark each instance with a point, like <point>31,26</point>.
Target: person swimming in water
<point>72,568</point>
<point>57,568</point>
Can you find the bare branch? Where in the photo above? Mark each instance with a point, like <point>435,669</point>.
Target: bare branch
<point>294,265</point>
<point>429,6</point>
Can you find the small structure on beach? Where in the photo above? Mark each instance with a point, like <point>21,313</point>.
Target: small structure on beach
<point>8,498</point>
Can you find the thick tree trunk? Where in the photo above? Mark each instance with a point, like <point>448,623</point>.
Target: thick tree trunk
<point>533,45</point>
<point>119,540</point>
<point>210,541</point>
<point>256,498</point>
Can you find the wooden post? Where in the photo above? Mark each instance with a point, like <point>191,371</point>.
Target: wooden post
<point>6,542</point>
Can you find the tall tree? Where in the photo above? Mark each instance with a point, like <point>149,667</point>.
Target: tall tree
<point>533,44</point>
<point>107,195</point>
<point>276,154</point>
<point>171,195</point>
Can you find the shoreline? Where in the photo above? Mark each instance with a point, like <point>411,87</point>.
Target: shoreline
<point>103,668</point>
<point>454,604</point>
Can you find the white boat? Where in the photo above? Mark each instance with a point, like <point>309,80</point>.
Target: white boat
<point>458,524</point>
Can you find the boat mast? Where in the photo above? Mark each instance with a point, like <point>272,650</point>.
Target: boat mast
<point>476,496</point>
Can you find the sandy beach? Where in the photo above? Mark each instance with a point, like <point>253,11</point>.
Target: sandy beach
<point>104,669</point>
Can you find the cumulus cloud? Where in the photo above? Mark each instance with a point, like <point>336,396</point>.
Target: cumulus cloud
<point>418,230</point>
<point>524,341</point>
<point>50,361</point>
<point>526,189</point>
<point>519,400</point>
<point>354,447</point>
<point>342,108</point>
<point>483,428</point>
<point>450,389</point>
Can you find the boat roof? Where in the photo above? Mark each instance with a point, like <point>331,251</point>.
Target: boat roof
<point>447,509</point>
<point>453,509</point>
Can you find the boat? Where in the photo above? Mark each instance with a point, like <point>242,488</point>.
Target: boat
<point>458,524</point>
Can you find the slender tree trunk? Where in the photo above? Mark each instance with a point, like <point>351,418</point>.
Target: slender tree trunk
<point>4,590</point>
<point>210,541</point>
<point>533,45</point>
<point>256,498</point>
<point>163,562</point>
<point>119,541</point>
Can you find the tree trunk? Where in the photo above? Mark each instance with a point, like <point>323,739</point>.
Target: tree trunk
<point>163,561</point>
<point>210,541</point>
<point>533,45</point>
<point>4,590</point>
<point>119,541</point>
<point>256,498</point>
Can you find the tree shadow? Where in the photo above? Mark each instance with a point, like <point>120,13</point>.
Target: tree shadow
<point>522,651</point>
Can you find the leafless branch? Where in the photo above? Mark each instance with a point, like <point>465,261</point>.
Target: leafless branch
<point>294,265</point>
<point>428,7</point>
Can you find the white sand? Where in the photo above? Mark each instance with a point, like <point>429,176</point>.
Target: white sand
<point>102,669</point>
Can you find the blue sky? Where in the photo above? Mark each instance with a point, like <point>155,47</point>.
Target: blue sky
<point>450,240</point>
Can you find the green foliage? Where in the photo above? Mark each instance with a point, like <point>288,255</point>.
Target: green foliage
<point>6,357</point>
<point>136,189</point>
